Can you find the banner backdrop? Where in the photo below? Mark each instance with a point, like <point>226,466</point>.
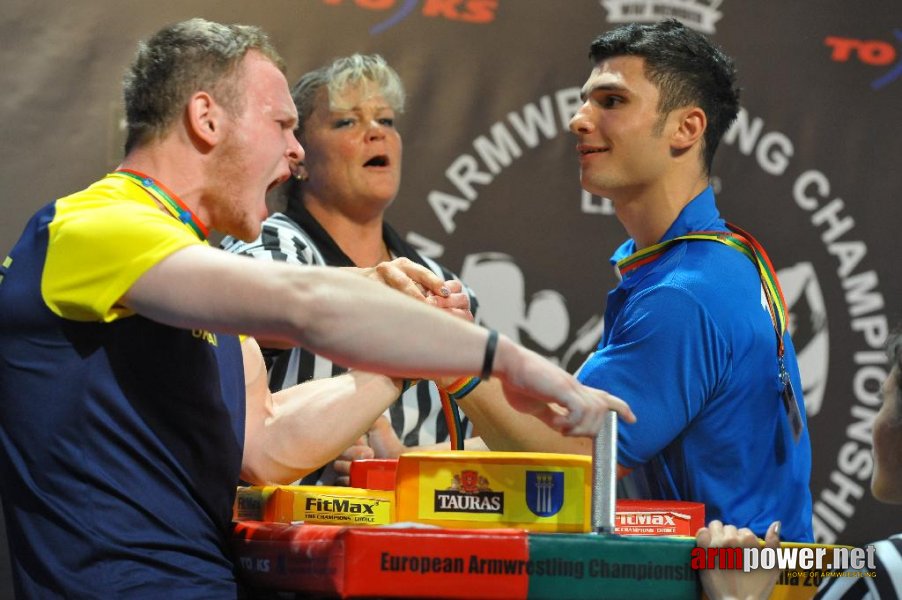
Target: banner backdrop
<point>490,179</point>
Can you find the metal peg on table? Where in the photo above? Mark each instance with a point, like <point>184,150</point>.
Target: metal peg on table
<point>604,475</point>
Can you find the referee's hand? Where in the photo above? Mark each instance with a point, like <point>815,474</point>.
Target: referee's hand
<point>457,302</point>
<point>406,276</point>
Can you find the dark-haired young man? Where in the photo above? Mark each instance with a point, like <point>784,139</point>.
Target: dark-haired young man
<point>695,333</point>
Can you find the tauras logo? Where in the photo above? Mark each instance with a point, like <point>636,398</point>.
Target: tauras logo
<point>482,502</point>
<point>469,492</point>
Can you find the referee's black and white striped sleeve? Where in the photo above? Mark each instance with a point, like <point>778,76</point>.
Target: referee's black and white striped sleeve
<point>416,417</point>
<point>280,241</point>
<point>885,585</point>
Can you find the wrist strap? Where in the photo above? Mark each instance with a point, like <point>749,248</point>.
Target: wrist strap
<point>490,345</point>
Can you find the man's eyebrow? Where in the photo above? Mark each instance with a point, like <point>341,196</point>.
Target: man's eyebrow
<point>604,87</point>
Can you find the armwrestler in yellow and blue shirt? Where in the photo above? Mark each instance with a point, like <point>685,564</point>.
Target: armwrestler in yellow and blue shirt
<point>118,439</point>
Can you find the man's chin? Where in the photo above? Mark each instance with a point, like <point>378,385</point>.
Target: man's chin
<point>592,187</point>
<point>246,232</point>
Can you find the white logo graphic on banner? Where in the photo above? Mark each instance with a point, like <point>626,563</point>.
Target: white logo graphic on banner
<point>808,328</point>
<point>543,317</point>
<point>700,15</point>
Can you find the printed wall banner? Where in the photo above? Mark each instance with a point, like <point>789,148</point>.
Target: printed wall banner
<point>490,181</point>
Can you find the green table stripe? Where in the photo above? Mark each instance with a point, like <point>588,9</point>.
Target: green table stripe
<point>594,566</point>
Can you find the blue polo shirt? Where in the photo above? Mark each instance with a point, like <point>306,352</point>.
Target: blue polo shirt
<point>690,345</point>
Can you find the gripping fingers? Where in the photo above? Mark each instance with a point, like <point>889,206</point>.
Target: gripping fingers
<point>578,416</point>
<point>585,416</point>
<point>457,300</point>
<point>411,278</point>
<point>572,423</point>
<point>724,535</point>
<point>457,304</point>
<point>396,278</point>
<point>619,406</point>
<point>772,537</point>
<point>342,469</point>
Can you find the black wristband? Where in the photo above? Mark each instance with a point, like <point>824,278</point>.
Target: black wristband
<point>487,362</point>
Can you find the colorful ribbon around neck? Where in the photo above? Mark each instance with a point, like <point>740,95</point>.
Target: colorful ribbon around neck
<point>743,242</point>
<point>449,397</point>
<point>170,201</point>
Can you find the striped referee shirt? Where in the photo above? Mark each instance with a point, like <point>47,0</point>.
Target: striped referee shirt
<point>885,585</point>
<point>297,237</point>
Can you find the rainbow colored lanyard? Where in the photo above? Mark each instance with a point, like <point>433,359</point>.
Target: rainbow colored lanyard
<point>743,242</point>
<point>449,397</point>
<point>167,199</point>
<point>452,418</point>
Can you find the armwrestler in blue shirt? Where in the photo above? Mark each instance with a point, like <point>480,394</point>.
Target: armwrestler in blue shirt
<point>689,338</point>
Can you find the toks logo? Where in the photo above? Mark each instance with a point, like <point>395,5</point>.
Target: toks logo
<point>875,53</point>
<point>469,492</point>
<point>466,11</point>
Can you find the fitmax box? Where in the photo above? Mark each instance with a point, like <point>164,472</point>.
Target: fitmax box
<point>658,517</point>
<point>314,504</point>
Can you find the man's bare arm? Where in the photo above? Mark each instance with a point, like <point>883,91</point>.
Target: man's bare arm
<point>358,323</point>
<point>297,430</point>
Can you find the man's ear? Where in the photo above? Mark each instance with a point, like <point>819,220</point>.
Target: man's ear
<point>690,127</point>
<point>204,118</point>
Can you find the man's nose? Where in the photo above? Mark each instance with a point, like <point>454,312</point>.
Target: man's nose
<point>580,122</point>
<point>295,151</point>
